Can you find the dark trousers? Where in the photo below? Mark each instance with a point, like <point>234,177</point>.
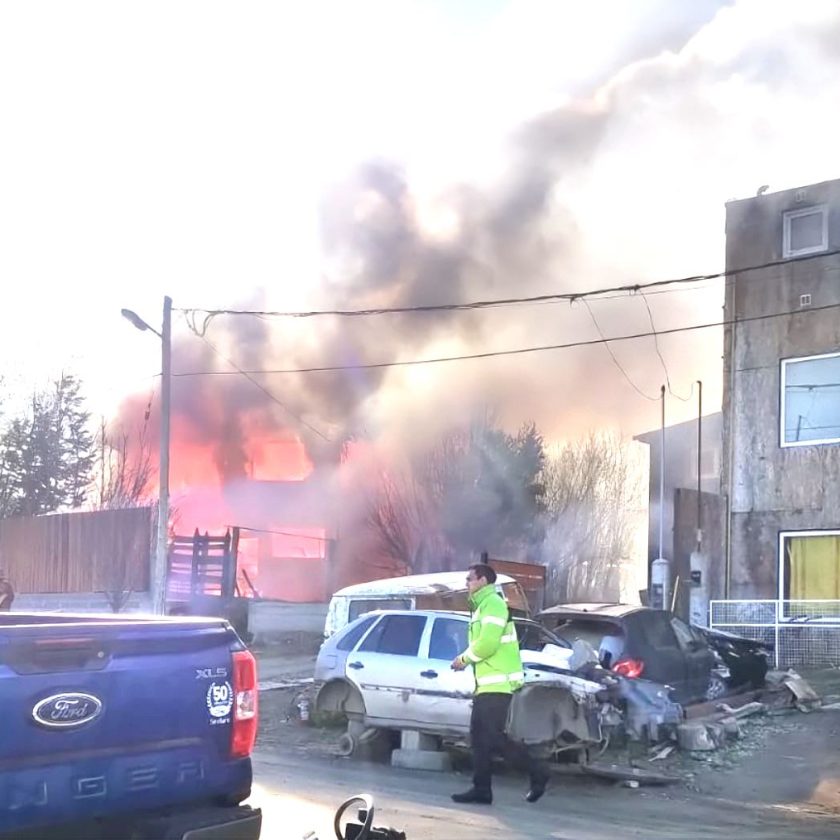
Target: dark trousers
<point>487,734</point>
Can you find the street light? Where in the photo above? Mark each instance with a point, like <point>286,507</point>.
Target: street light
<point>157,583</point>
<point>134,319</point>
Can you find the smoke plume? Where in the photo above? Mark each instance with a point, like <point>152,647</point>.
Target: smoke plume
<point>589,195</point>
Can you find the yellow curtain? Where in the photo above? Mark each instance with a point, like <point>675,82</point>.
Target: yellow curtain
<point>814,568</point>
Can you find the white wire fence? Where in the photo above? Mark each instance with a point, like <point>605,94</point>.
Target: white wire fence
<point>803,633</point>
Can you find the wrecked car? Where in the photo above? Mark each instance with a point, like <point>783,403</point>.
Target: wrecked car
<point>573,713</point>
<point>747,661</point>
<point>391,669</point>
<point>635,641</point>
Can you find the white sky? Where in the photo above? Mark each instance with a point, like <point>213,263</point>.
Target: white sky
<point>181,147</point>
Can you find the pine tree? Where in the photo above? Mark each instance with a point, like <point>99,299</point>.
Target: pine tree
<point>47,454</point>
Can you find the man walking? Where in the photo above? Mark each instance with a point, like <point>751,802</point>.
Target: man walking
<point>493,653</point>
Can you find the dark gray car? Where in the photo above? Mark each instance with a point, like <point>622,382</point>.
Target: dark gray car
<point>637,641</point>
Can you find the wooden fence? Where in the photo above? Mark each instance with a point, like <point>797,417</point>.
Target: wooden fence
<point>97,551</point>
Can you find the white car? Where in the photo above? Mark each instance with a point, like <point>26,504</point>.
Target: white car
<point>391,669</point>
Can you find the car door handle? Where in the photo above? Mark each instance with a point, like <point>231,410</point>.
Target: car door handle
<point>356,665</point>
<point>429,675</point>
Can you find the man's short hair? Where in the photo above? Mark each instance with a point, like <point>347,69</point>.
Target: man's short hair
<point>482,570</point>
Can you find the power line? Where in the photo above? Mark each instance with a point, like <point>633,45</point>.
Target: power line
<point>248,375</point>
<point>281,533</point>
<point>661,357</point>
<point>515,352</point>
<point>624,373</point>
<point>193,313</point>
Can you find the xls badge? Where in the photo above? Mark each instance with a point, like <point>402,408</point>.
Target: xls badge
<point>219,700</point>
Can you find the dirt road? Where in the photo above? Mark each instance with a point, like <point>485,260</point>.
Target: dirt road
<point>299,796</point>
<point>781,781</point>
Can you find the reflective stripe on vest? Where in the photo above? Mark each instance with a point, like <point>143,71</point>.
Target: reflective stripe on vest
<point>492,619</point>
<point>495,679</point>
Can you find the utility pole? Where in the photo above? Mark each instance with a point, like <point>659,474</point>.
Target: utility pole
<point>157,572</point>
<point>699,465</point>
<point>660,572</point>
<point>662,475</point>
<point>162,549</point>
<point>698,599</point>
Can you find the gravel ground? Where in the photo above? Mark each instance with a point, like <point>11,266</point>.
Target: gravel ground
<point>785,759</point>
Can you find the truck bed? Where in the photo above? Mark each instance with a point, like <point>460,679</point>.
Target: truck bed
<point>110,717</point>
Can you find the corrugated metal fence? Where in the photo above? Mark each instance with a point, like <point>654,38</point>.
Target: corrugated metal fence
<point>96,551</point>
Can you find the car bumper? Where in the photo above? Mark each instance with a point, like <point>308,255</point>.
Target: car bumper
<point>202,823</point>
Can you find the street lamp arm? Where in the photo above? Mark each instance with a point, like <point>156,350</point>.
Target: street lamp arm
<point>135,320</point>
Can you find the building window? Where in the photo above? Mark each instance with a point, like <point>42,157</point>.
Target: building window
<point>805,231</point>
<point>809,566</point>
<point>810,400</point>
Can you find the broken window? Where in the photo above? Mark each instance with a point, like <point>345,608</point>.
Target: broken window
<point>811,400</point>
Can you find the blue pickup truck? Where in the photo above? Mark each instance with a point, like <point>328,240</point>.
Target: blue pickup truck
<point>125,728</point>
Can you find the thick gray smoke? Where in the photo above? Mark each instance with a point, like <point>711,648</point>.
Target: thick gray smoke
<point>516,237</point>
<point>503,242</point>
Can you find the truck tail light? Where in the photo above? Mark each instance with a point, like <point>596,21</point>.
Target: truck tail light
<point>630,668</point>
<point>245,714</point>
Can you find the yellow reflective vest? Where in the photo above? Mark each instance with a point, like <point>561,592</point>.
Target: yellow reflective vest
<point>494,649</point>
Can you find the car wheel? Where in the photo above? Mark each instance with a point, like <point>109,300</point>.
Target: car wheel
<point>340,697</point>
<point>371,745</point>
<point>717,688</point>
<point>346,745</point>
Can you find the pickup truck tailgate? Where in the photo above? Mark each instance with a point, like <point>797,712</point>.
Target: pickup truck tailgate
<point>101,717</point>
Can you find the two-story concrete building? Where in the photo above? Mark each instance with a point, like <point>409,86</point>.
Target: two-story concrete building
<point>781,409</point>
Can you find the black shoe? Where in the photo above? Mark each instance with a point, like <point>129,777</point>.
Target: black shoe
<point>537,789</point>
<point>479,797</point>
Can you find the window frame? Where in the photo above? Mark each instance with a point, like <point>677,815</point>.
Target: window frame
<point>789,215</point>
<point>783,364</point>
<point>784,583</point>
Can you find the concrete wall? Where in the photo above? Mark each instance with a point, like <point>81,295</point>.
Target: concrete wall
<point>771,488</point>
<point>83,602</point>
<point>276,621</point>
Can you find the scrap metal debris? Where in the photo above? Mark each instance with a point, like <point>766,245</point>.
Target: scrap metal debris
<point>623,773</point>
<point>663,752</point>
<point>793,689</point>
<point>742,711</point>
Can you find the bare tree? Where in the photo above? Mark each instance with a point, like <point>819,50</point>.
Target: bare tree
<point>592,491</point>
<point>125,468</point>
<point>401,515</point>
<point>124,476</point>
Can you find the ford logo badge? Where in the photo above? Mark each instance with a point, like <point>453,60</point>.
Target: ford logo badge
<point>64,711</point>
